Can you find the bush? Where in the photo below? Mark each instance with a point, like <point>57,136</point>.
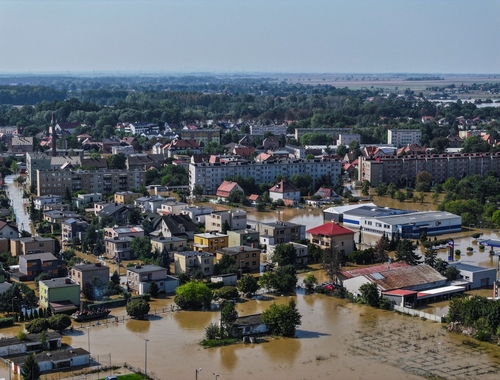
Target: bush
<point>6,322</point>
<point>476,235</point>
<point>212,331</point>
<point>458,252</point>
<point>227,292</point>
<point>481,247</point>
<point>36,326</point>
<point>470,249</point>
<point>137,308</point>
<point>59,322</point>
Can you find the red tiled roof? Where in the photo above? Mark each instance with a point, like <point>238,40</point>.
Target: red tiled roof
<point>225,189</point>
<point>330,229</point>
<point>253,197</point>
<point>284,186</point>
<point>246,151</point>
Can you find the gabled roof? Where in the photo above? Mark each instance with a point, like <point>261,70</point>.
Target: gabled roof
<point>284,186</point>
<point>372,269</point>
<point>330,229</point>
<point>226,187</point>
<point>176,222</point>
<point>407,277</point>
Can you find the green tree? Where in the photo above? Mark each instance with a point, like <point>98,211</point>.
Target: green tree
<point>331,262</point>
<point>369,294</point>
<point>228,317</point>
<point>30,369</point>
<point>285,279</point>
<point>381,189</point>
<point>68,197</point>
<point>310,281</point>
<point>341,150</point>
<point>381,248</point>
<point>405,251</point>
<point>227,292</point>
<point>400,196</point>
<point>226,265</point>
<point>154,290</point>
<point>248,285</point>
<point>115,277</point>
<point>116,161</point>
<point>36,326</point>
<point>193,295</point>
<point>284,254</point>
<point>282,320</point>
<point>137,308</point>
<point>365,188</point>
<point>59,322</point>
<point>141,247</point>
<point>266,280</point>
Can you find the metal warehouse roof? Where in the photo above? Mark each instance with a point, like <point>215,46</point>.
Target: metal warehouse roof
<point>417,217</point>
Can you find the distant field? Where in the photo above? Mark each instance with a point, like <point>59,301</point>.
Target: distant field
<point>387,82</point>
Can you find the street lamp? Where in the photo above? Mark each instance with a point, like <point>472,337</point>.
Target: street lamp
<point>88,337</point>
<point>12,301</point>
<point>216,376</point>
<point>197,370</point>
<point>146,358</point>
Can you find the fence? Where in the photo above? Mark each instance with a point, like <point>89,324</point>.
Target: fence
<point>417,313</point>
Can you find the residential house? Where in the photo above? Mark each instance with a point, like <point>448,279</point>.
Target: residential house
<point>8,231</point>
<point>241,237</point>
<point>140,277</point>
<point>271,143</point>
<point>178,225</point>
<point>123,231</point>
<point>59,294</point>
<point>53,360</point>
<point>30,266</point>
<point>190,261</point>
<point>82,274</point>
<point>272,233</point>
<point>171,206</point>
<point>118,213</point>
<point>286,191</point>
<point>149,204</point>
<point>332,235</point>
<point>227,188</point>
<point>243,151</point>
<point>246,257</point>
<point>144,161</point>
<point>46,199</point>
<point>201,135</point>
<point>197,214</point>
<point>85,199</point>
<point>56,206</point>
<point>57,216</point>
<point>250,325</point>
<point>301,253</point>
<point>254,198</point>
<point>179,146</point>
<point>33,244</point>
<point>118,248</point>
<point>21,144</point>
<point>210,241</point>
<point>235,219</point>
<point>172,243</point>
<point>126,197</point>
<point>71,228</point>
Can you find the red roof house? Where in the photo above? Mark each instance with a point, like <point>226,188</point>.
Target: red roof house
<point>227,188</point>
<point>332,234</point>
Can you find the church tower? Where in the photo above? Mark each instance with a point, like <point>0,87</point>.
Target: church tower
<point>54,136</point>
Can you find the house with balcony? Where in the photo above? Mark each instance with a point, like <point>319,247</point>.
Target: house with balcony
<point>301,253</point>
<point>30,266</point>
<point>61,295</point>
<point>241,237</point>
<point>82,274</point>
<point>210,241</point>
<point>140,277</point>
<point>56,217</point>
<point>272,233</point>
<point>126,197</point>
<point>118,248</point>
<point>191,261</point>
<point>233,219</point>
<point>46,199</point>
<point>247,258</point>
<point>330,235</point>
<point>123,231</point>
<point>83,200</point>
<point>71,228</point>
<point>170,244</point>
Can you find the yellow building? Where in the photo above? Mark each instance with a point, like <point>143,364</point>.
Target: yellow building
<point>126,197</point>
<point>210,242</point>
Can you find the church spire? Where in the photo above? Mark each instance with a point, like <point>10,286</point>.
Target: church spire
<point>54,136</point>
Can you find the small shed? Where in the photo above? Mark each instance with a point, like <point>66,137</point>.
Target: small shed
<point>228,279</point>
<point>249,325</point>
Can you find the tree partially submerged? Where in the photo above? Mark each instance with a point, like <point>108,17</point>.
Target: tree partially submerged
<point>30,369</point>
<point>282,320</point>
<point>193,295</point>
<point>137,308</point>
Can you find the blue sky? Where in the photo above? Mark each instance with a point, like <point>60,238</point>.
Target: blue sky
<point>334,36</point>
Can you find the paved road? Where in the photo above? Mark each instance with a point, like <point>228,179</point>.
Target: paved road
<point>15,194</point>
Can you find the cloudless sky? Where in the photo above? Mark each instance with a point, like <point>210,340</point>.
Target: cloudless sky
<point>334,36</point>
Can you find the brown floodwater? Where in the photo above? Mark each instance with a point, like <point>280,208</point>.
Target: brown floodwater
<point>337,340</point>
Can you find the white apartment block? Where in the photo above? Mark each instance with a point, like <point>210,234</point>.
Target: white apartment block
<point>211,175</point>
<point>403,137</point>
<point>277,130</point>
<point>347,138</point>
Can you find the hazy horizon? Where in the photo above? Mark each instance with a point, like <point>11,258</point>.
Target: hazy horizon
<point>129,37</point>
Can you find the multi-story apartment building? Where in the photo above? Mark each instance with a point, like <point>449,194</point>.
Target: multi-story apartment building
<point>402,137</point>
<point>245,256</point>
<point>59,289</point>
<point>102,181</point>
<point>243,237</point>
<point>30,266</point>
<point>118,248</point>
<point>140,277</point>
<point>347,138</point>
<point>260,130</point>
<point>201,135</point>
<point>211,175</point>
<point>441,166</point>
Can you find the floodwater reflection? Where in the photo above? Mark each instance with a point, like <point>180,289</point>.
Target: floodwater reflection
<point>138,326</point>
